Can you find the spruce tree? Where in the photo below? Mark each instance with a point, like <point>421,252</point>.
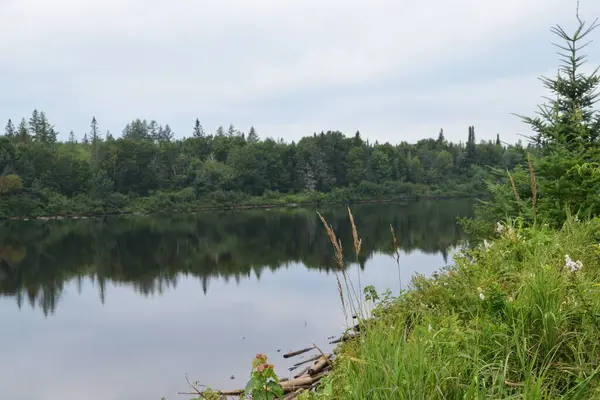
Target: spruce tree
<point>568,120</point>
<point>23,132</point>
<point>10,130</point>
<point>198,130</point>
<point>252,135</point>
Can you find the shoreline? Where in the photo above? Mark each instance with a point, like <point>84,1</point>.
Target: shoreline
<point>233,207</point>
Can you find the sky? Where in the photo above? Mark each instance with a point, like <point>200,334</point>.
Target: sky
<point>396,70</point>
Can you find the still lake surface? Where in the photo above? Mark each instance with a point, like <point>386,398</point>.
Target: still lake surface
<point>123,308</point>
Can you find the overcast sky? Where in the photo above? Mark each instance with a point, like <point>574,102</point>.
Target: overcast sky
<point>394,69</point>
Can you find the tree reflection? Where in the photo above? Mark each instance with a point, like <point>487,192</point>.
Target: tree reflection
<point>37,259</point>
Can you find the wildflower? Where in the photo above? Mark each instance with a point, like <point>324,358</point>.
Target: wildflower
<point>499,227</point>
<point>510,299</point>
<point>572,265</point>
<point>429,328</point>
<point>481,295</point>
<point>487,245</point>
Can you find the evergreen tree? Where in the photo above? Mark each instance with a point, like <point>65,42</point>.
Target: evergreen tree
<point>441,140</point>
<point>95,143</point>
<point>252,135</point>
<point>220,131</point>
<point>23,132</point>
<point>231,131</point>
<point>10,130</point>
<point>165,135</point>
<point>198,130</point>
<point>153,131</point>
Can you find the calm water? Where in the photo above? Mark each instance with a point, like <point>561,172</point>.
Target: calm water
<point>124,308</point>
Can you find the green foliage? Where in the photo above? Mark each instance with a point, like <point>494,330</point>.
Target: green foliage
<point>561,175</point>
<point>516,317</point>
<point>10,184</point>
<point>147,169</point>
<point>264,383</point>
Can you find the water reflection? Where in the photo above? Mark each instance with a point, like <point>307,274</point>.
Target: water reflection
<point>150,254</point>
<point>209,291</point>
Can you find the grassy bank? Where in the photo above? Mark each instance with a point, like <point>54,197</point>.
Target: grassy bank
<point>516,317</point>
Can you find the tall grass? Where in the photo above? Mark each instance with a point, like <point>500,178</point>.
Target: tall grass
<point>517,317</point>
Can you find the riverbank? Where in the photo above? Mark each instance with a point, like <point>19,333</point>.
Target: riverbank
<point>516,317</point>
<point>147,206</point>
<point>47,204</point>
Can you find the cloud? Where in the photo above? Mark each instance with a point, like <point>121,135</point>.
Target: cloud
<point>286,67</point>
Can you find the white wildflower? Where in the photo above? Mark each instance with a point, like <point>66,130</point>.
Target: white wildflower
<point>499,227</point>
<point>481,296</point>
<point>572,265</point>
<point>429,328</point>
<point>487,245</point>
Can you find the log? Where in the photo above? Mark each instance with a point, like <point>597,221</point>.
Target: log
<point>319,365</point>
<point>298,352</point>
<point>313,358</point>
<point>297,383</point>
<point>302,372</point>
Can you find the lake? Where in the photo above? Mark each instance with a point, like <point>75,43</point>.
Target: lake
<point>122,308</point>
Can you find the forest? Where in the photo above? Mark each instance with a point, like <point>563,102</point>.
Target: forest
<point>147,169</point>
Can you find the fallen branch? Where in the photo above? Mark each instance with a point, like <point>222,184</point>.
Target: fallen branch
<point>313,358</point>
<point>298,352</point>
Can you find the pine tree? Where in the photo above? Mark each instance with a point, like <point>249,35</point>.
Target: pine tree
<point>34,123</point>
<point>569,120</point>
<point>441,139</point>
<point>10,130</point>
<point>94,131</point>
<point>153,131</point>
<point>220,131</point>
<point>231,131</point>
<point>72,137</point>
<point>23,132</point>
<point>252,135</point>
<point>95,141</point>
<point>165,135</point>
<point>498,143</point>
<point>40,128</point>
<point>198,130</point>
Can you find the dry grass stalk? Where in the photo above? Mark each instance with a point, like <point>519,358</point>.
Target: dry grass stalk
<point>514,187</point>
<point>532,183</point>
<point>335,242</point>
<point>339,258</point>
<point>357,240</point>
<point>353,298</point>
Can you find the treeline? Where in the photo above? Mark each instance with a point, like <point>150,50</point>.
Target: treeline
<point>38,259</point>
<point>148,169</point>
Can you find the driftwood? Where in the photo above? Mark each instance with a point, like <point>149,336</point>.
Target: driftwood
<point>298,352</point>
<point>319,365</point>
<point>302,372</point>
<point>296,383</point>
<point>307,379</point>
<point>313,358</point>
